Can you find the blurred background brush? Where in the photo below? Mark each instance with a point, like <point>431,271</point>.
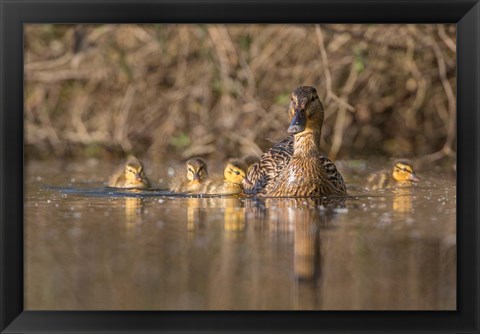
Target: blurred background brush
<point>176,91</point>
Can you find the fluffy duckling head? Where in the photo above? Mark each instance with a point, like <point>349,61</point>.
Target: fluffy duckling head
<point>305,110</point>
<point>235,171</point>
<point>403,171</point>
<point>134,172</point>
<point>196,169</point>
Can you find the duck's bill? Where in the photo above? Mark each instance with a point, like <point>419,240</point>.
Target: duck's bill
<point>414,177</point>
<point>298,122</point>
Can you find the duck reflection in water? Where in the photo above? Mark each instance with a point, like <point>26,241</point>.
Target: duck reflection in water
<point>232,207</point>
<point>306,245</point>
<point>133,210</point>
<point>403,200</point>
<point>234,215</point>
<point>196,213</point>
<point>305,218</point>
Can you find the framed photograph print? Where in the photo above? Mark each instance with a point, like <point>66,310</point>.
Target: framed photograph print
<point>237,166</point>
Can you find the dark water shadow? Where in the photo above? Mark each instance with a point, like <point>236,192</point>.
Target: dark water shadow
<point>122,192</point>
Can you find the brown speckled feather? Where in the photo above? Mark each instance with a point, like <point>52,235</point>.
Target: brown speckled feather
<point>295,166</point>
<point>308,172</point>
<point>295,181</point>
<point>271,164</point>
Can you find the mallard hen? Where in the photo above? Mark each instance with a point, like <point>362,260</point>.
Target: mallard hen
<point>295,166</point>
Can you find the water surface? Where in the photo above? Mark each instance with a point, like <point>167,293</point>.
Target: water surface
<point>92,248</point>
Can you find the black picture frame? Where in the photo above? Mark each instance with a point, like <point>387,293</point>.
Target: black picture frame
<point>15,13</point>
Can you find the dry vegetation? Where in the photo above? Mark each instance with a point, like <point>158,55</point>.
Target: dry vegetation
<point>222,90</point>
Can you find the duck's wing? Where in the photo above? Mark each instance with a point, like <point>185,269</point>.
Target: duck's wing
<point>333,175</point>
<point>271,164</point>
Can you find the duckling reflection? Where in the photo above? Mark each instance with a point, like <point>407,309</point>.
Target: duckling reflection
<point>234,214</point>
<point>402,200</point>
<point>196,215</point>
<point>133,210</point>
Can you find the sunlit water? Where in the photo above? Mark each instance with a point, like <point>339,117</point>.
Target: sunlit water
<point>92,248</point>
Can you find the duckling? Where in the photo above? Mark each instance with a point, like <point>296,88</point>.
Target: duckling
<point>295,166</point>
<point>131,175</point>
<point>193,182</point>
<point>401,174</point>
<point>231,183</point>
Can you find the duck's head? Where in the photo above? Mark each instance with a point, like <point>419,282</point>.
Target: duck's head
<point>403,171</point>
<point>196,169</point>
<point>235,171</point>
<point>305,110</point>
<point>134,170</point>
